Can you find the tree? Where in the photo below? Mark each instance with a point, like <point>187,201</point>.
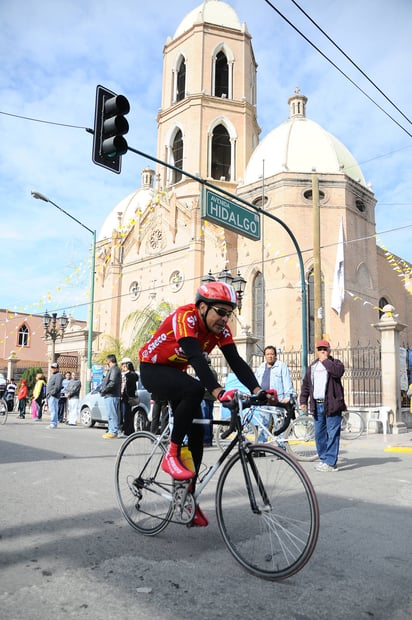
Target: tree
<point>30,376</point>
<point>145,322</point>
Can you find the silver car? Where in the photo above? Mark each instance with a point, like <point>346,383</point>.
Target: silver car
<point>92,409</point>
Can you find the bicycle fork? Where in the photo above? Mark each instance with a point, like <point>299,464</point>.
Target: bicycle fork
<point>247,459</point>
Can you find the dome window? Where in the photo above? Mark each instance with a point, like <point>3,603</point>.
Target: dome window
<point>308,195</point>
<point>260,201</point>
<point>360,205</point>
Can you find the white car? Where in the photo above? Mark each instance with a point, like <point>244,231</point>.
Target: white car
<point>92,409</point>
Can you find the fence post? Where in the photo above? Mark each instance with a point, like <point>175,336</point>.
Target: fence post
<point>389,329</point>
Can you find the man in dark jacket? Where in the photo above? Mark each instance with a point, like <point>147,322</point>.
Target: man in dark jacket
<point>110,390</point>
<point>53,389</point>
<point>322,384</point>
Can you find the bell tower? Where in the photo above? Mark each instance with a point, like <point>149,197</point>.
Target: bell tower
<point>207,123</point>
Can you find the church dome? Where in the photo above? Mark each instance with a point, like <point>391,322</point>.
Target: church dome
<point>301,145</point>
<point>211,12</point>
<point>122,217</point>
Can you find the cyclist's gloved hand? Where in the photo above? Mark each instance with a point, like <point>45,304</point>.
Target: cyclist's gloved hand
<point>272,397</point>
<point>261,397</point>
<point>225,397</point>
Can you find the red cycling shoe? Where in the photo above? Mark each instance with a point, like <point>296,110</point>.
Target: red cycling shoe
<point>200,519</point>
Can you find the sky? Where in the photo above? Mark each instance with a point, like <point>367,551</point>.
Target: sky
<point>53,55</point>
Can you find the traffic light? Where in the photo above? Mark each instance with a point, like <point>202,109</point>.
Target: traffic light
<point>109,127</point>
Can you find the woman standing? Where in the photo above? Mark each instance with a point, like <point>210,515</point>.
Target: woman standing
<point>129,383</point>
<point>39,394</point>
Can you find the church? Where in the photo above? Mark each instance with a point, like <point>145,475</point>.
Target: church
<point>313,271</point>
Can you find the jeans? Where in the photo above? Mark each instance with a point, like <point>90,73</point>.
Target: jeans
<point>112,407</point>
<point>53,403</point>
<point>207,414</point>
<point>327,435</point>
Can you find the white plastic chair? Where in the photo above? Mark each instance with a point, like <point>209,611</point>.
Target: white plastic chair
<point>379,416</point>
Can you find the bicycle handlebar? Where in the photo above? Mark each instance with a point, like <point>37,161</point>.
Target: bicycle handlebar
<point>245,401</point>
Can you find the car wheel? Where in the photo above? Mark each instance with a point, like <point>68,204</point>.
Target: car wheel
<point>86,417</point>
<point>141,422</point>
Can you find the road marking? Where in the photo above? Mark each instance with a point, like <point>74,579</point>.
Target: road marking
<point>407,449</point>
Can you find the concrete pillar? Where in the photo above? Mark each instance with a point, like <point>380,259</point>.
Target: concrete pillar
<point>389,329</point>
<point>245,343</point>
<point>11,365</point>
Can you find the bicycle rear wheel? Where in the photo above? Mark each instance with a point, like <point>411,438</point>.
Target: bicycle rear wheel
<point>301,438</point>
<point>143,489</point>
<point>352,425</point>
<point>250,432</point>
<point>275,541</point>
<point>3,412</point>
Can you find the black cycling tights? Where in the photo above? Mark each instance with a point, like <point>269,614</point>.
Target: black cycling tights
<point>185,393</point>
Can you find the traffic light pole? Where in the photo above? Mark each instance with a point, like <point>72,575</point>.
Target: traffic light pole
<point>205,183</point>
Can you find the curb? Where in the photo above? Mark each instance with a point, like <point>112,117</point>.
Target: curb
<point>405,449</point>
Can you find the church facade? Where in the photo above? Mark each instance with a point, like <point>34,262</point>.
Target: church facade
<point>316,270</point>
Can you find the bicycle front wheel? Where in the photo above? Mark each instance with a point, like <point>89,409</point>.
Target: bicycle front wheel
<point>143,489</point>
<point>3,412</point>
<point>275,538</point>
<point>351,425</point>
<point>300,438</point>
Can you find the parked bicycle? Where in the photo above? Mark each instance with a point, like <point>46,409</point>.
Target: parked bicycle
<point>266,507</point>
<point>298,438</point>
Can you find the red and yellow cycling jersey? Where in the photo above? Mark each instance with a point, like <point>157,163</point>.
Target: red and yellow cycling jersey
<point>163,347</point>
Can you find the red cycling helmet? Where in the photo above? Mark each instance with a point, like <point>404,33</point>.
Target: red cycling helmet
<point>216,292</point>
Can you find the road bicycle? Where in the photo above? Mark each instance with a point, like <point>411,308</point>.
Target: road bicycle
<point>266,507</point>
<point>298,438</point>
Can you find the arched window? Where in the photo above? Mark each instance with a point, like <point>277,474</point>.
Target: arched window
<point>382,303</point>
<point>181,81</point>
<point>177,153</point>
<point>221,76</point>
<point>258,312</point>
<point>221,154</point>
<point>23,336</point>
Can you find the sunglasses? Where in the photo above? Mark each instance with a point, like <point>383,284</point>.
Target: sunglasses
<point>322,349</point>
<point>222,311</point>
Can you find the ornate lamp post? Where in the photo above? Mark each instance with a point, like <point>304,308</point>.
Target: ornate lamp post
<point>52,330</point>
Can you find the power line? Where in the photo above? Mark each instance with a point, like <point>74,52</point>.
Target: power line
<point>38,120</point>
<point>351,61</point>
<point>337,68</point>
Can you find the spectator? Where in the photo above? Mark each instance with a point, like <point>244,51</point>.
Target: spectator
<point>10,394</point>
<point>63,398</point>
<point>72,392</point>
<point>207,408</point>
<point>39,395</point>
<point>22,398</point>
<point>110,390</point>
<point>53,391</point>
<point>128,396</point>
<point>322,385</point>
<point>274,374</point>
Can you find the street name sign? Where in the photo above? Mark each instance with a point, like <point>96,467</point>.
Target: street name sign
<point>229,214</point>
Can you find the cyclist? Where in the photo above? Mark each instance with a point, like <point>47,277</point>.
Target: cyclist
<point>180,341</point>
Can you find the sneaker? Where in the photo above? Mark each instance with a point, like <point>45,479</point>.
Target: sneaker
<point>122,436</point>
<point>200,519</point>
<point>52,426</point>
<point>109,436</point>
<point>325,467</point>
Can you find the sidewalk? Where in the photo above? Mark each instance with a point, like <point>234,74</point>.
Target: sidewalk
<point>388,443</point>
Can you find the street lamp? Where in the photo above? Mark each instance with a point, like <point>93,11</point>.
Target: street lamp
<point>92,277</point>
<point>54,331</point>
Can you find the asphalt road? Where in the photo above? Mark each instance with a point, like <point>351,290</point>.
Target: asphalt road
<point>67,552</point>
